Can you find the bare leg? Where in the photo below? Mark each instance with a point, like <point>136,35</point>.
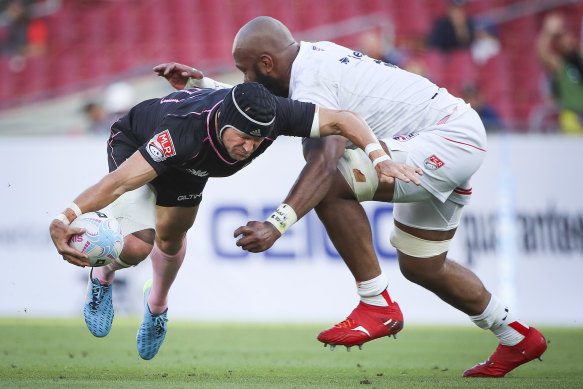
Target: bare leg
<point>453,283</point>
<point>136,248</point>
<point>169,251</point>
<point>342,215</point>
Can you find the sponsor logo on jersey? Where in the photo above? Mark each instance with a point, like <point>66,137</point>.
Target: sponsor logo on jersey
<point>316,48</point>
<point>199,173</point>
<point>405,138</point>
<point>161,146</point>
<point>433,163</point>
<point>189,196</point>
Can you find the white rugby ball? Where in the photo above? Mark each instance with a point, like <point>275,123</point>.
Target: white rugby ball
<point>102,239</point>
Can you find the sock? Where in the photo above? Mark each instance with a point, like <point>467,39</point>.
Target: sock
<point>165,268</point>
<point>106,274</point>
<point>498,319</point>
<point>374,291</point>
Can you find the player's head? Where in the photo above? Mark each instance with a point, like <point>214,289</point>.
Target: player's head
<point>246,116</point>
<point>264,50</point>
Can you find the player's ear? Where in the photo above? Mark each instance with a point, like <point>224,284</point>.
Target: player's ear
<point>266,63</point>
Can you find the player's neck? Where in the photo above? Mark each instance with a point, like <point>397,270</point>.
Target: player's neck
<point>288,58</point>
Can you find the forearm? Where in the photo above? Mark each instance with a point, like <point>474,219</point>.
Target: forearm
<point>132,174</point>
<point>313,183</point>
<point>353,127</point>
<point>544,52</point>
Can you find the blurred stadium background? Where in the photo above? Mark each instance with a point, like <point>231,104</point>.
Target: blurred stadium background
<point>523,233</point>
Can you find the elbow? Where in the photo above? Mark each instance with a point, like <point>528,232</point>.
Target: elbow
<point>326,165</point>
<point>113,185</point>
<point>324,160</point>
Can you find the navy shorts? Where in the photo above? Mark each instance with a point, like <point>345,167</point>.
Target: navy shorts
<point>173,188</point>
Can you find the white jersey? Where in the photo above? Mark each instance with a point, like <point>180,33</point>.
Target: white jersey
<point>422,125</point>
<point>391,100</point>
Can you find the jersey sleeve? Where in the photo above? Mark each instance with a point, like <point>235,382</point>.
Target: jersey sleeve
<point>315,78</point>
<point>173,143</point>
<point>294,118</point>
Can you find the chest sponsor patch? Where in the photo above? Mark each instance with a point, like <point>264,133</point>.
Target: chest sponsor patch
<point>161,146</point>
<point>433,163</point>
<point>405,138</point>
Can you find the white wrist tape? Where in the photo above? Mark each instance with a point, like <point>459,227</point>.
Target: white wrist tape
<point>380,159</point>
<point>315,130</point>
<point>283,218</point>
<point>372,147</point>
<point>63,218</point>
<point>206,83</point>
<point>75,209</point>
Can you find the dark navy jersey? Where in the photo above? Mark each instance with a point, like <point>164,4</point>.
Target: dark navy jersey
<point>178,131</point>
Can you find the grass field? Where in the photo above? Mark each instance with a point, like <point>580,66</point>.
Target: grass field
<point>62,353</point>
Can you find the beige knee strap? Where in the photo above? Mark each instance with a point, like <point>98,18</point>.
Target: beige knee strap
<point>417,247</point>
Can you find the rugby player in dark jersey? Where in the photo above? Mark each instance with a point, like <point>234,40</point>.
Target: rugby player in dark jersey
<point>161,155</point>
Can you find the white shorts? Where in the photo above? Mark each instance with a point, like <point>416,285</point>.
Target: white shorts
<point>135,210</point>
<point>449,153</point>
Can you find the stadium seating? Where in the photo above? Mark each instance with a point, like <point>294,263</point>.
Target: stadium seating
<point>93,42</point>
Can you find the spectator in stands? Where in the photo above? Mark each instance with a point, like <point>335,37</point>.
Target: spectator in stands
<point>97,118</point>
<point>406,55</point>
<point>485,44</point>
<point>16,18</point>
<point>561,56</point>
<point>454,30</point>
<point>118,99</point>
<point>472,95</point>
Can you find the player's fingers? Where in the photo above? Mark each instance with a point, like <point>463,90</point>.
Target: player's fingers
<point>75,261</point>
<point>169,69</point>
<point>387,179</point>
<point>415,178</point>
<point>159,68</point>
<point>238,232</point>
<point>243,230</point>
<point>247,246</point>
<point>64,249</point>
<point>76,231</point>
<point>246,240</point>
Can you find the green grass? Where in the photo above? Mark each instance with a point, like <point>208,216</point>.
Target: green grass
<point>62,353</point>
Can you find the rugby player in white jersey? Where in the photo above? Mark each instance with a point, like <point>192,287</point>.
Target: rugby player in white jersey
<point>418,123</point>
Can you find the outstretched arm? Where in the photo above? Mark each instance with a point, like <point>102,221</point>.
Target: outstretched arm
<point>353,127</point>
<point>132,174</point>
<point>314,182</point>
<point>553,27</point>
<point>312,185</point>
<point>184,76</point>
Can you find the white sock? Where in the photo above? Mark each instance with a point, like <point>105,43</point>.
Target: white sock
<point>498,319</point>
<point>374,291</point>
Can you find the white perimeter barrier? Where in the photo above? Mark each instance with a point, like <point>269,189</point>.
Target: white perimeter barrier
<point>529,202</point>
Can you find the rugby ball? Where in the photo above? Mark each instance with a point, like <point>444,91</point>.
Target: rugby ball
<point>102,239</point>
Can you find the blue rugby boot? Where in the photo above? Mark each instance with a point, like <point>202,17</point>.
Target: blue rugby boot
<point>153,329</point>
<point>98,309</point>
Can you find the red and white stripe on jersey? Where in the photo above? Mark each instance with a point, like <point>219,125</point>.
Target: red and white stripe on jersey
<point>463,191</point>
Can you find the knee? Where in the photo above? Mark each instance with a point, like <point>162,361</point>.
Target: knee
<point>135,250</point>
<point>171,244</point>
<point>421,271</point>
<point>411,272</point>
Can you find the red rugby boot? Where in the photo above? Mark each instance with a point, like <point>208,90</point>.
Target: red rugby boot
<point>507,358</point>
<point>365,323</point>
